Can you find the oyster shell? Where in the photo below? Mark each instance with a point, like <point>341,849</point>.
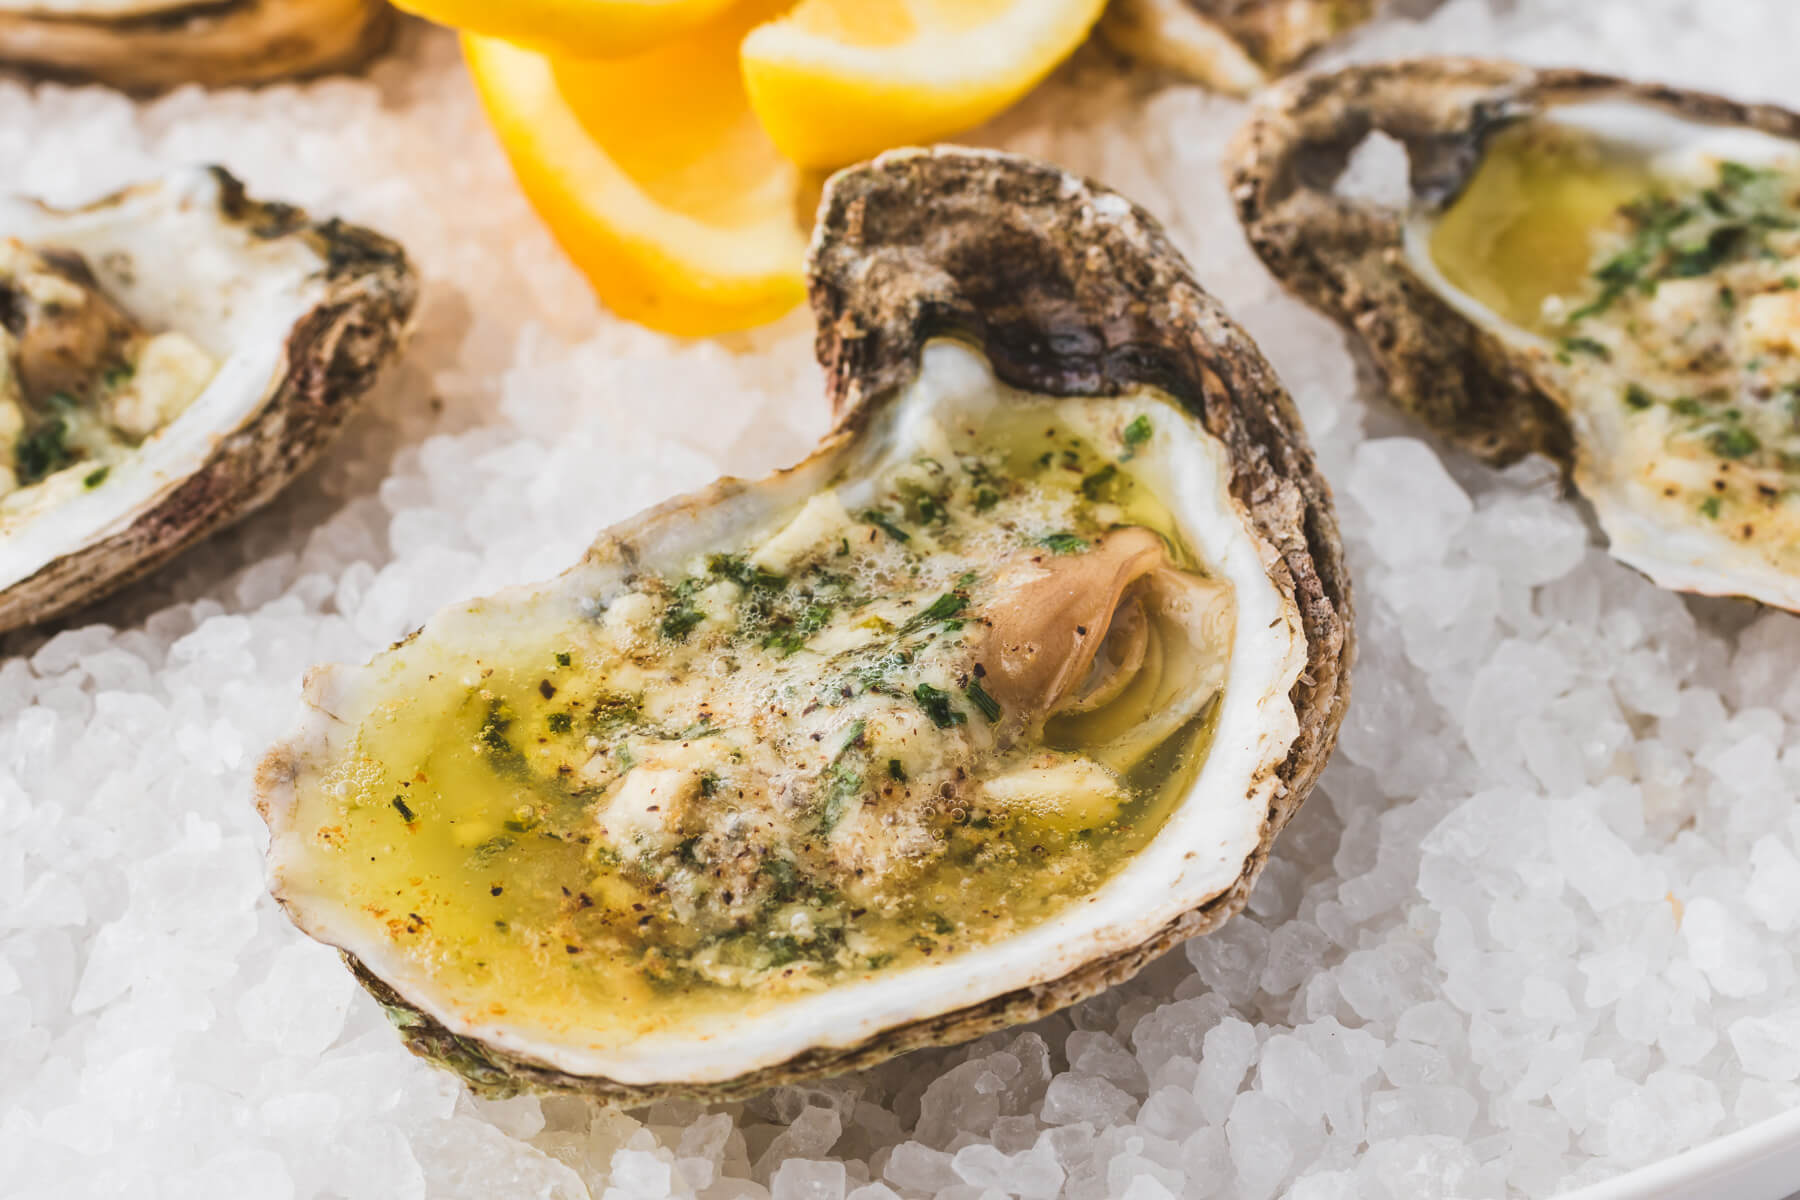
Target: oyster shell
<point>260,329</point>
<point>753,894</point>
<point>1598,271</point>
<point>152,45</point>
<point>1232,46</point>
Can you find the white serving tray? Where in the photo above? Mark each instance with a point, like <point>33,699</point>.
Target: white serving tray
<point>1758,1163</point>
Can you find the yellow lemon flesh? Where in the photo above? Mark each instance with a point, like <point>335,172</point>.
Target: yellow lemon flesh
<point>654,176</point>
<point>839,80</point>
<point>577,28</point>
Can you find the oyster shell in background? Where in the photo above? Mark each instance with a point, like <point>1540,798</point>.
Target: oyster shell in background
<point>276,324</point>
<point>153,45</point>
<point>1232,46</point>
<point>1598,271</point>
<point>502,762</point>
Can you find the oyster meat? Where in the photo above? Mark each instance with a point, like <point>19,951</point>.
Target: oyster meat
<point>152,45</point>
<point>1232,46</point>
<point>1000,693</point>
<point>169,358</point>
<point>1603,272</point>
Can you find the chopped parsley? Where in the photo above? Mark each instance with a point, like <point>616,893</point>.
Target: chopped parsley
<point>44,451</point>
<point>1096,486</point>
<point>96,477</point>
<point>1063,543</point>
<point>560,722</point>
<point>1710,506</point>
<point>405,810</point>
<point>937,706</point>
<point>883,522</point>
<point>1734,441</point>
<point>990,707</point>
<point>1136,434</point>
<point>1584,345</point>
<point>1636,397</point>
<point>942,609</point>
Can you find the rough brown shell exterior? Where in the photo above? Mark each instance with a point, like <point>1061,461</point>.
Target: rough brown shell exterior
<point>331,358</point>
<point>1232,46</point>
<point>215,44</point>
<point>1344,256</point>
<point>1069,290</point>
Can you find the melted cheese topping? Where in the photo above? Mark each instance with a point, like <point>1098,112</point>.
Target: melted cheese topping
<point>1662,296</point>
<point>841,744</point>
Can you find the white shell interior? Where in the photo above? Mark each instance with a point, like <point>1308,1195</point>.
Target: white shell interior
<point>168,256</point>
<point>1199,853</point>
<point>1686,556</point>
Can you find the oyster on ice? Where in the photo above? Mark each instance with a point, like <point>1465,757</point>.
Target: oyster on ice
<point>1603,272</point>
<point>1232,46</point>
<point>1000,693</point>
<point>170,357</point>
<point>152,45</point>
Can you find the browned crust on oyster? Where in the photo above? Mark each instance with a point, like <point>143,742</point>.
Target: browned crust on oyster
<point>1069,290</point>
<point>217,43</point>
<point>1229,45</point>
<point>331,357</point>
<point>1345,257</point>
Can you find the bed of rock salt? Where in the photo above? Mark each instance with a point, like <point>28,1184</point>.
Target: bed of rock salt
<point>1534,929</point>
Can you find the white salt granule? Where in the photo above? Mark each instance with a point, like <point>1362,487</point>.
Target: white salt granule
<point>1532,930</point>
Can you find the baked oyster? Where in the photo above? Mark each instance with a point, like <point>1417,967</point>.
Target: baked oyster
<point>170,357</point>
<point>999,694</point>
<point>152,45</point>
<point>1606,273</point>
<point>1232,46</point>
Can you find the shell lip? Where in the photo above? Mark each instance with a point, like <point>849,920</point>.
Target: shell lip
<point>907,252</point>
<point>149,46</point>
<point>302,316</point>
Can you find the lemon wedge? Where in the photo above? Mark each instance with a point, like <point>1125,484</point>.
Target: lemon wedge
<point>654,175</point>
<point>839,80</point>
<point>577,28</point>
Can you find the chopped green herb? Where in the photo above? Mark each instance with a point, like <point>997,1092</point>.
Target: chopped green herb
<point>1687,406</point>
<point>562,658</point>
<point>406,812</point>
<point>896,772</point>
<point>1636,397</point>
<point>990,707</point>
<point>1710,506</point>
<point>116,377</point>
<point>680,620</point>
<point>986,498</point>
<point>730,566</point>
<point>1733,442</point>
<point>709,784</point>
<point>96,477</point>
<point>1095,486</point>
<point>883,522</point>
<point>560,722</point>
<point>941,609</point>
<point>936,703</point>
<point>493,730</point>
<point>44,451</point>
<point>1063,543</point>
<point>1586,345</point>
<point>939,923</point>
<point>1136,434</point>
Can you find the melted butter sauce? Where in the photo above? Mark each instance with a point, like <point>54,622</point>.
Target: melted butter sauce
<point>1667,288</point>
<point>464,826</point>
